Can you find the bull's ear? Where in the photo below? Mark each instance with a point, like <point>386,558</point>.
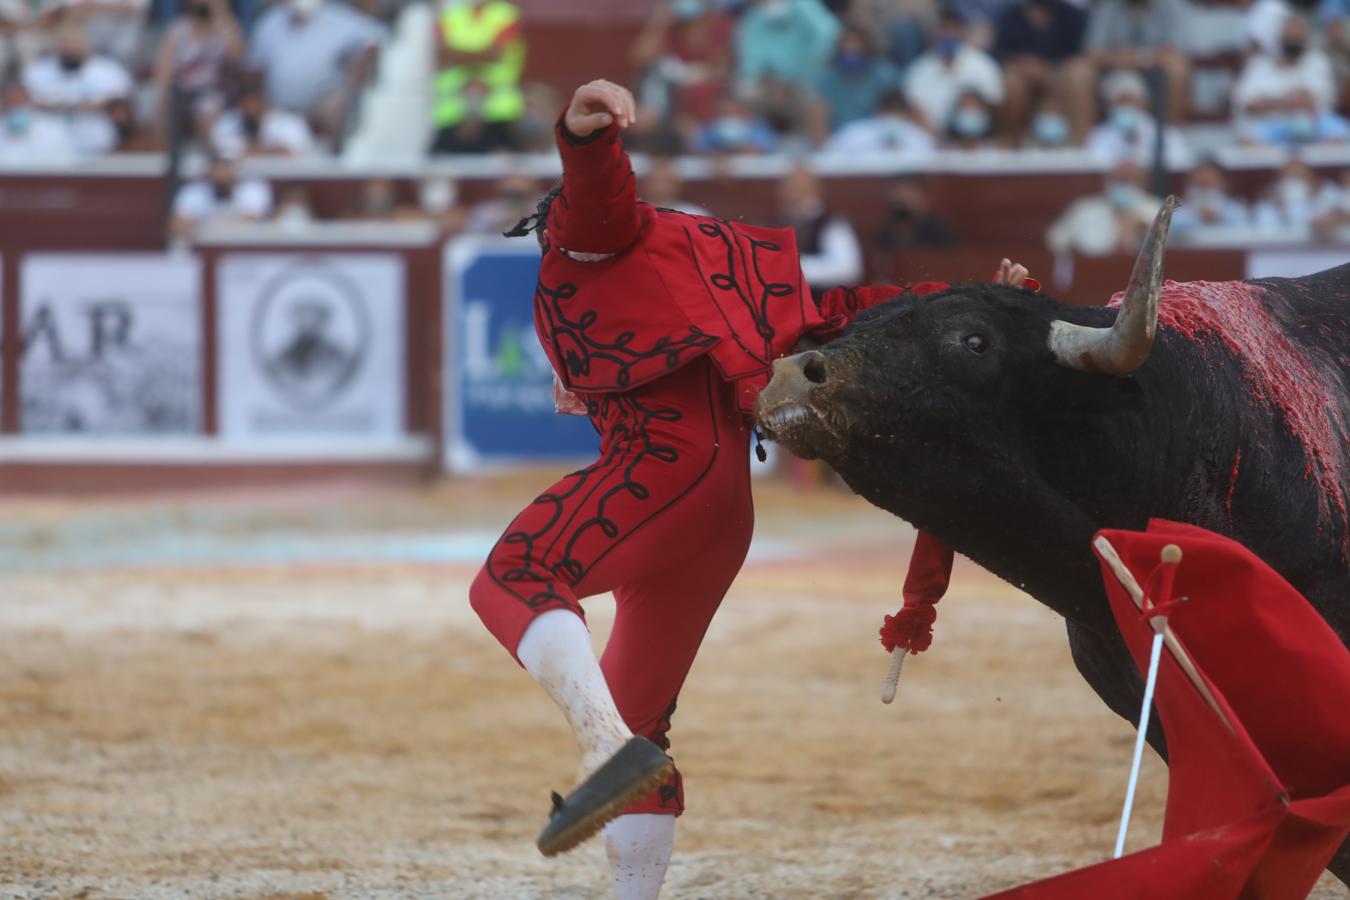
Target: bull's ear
<point>1123,347</point>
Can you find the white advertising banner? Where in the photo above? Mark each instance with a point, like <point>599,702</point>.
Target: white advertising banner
<point>112,344</point>
<point>310,345</point>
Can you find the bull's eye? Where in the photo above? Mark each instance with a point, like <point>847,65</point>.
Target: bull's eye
<point>975,343</point>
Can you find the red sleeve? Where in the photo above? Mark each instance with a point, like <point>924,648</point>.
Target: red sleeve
<point>597,211</point>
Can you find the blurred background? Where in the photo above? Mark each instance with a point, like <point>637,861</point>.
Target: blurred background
<point>260,239</point>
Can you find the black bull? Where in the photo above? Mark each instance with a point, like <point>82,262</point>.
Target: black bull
<point>993,419</point>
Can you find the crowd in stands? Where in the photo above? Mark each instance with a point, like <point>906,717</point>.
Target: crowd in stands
<point>906,80</point>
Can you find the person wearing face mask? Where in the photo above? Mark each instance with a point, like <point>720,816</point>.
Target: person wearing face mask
<point>29,136</point>
<point>893,131</point>
<point>1034,39</point>
<point>255,128</point>
<point>313,56</point>
<point>852,86</point>
<point>222,196</point>
<point>1130,130</point>
<point>77,86</point>
<point>971,124</point>
<point>197,51</point>
<point>1209,206</point>
<point>1050,128</point>
<point>1287,97</point>
<point>735,130</point>
<point>684,53</point>
<point>951,68</point>
<point>1112,222</point>
<point>1290,203</point>
<point>784,41</point>
<point>480,55</point>
<point>829,248</point>
<point>910,224</point>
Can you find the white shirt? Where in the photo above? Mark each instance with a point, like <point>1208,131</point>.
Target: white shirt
<point>279,129</point>
<point>99,80</point>
<point>839,260</point>
<point>1264,79</point>
<point>1090,225</point>
<point>882,134</point>
<point>302,61</point>
<point>45,140</point>
<point>933,87</point>
<point>197,201</point>
<point>1112,144</point>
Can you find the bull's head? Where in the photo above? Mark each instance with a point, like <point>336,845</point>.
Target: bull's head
<point>953,374</point>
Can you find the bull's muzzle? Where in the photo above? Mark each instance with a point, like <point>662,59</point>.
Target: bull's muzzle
<point>785,403</point>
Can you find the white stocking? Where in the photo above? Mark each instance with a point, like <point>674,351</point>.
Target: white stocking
<point>639,848</point>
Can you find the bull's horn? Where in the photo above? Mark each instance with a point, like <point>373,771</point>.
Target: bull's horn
<point>1123,347</point>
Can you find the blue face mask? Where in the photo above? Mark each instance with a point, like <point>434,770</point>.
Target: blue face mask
<point>1127,119</point>
<point>1301,127</point>
<point>1050,129</point>
<point>19,119</point>
<point>852,61</point>
<point>732,132</point>
<point>947,46</point>
<point>1121,196</point>
<point>970,122</point>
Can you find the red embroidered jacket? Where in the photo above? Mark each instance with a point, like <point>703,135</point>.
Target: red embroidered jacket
<point>664,288</point>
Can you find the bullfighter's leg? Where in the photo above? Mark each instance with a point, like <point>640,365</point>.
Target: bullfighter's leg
<point>1105,663</point>
<point>673,452</point>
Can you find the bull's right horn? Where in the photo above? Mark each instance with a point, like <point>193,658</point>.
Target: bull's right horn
<point>1123,347</point>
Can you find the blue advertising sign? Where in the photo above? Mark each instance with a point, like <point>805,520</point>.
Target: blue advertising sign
<point>500,383</point>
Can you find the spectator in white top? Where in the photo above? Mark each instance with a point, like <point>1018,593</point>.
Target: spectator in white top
<point>1130,129</point>
<point>253,128</point>
<point>951,68</point>
<point>313,55</point>
<point>892,130</point>
<point>828,246</point>
<point>220,197</point>
<point>29,136</point>
<point>78,86</point>
<point>1114,221</point>
<point>1331,210</point>
<point>1291,202</point>
<point>1273,87</point>
<point>1209,205</point>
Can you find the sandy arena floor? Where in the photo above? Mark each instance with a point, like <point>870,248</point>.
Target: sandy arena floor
<point>289,697</point>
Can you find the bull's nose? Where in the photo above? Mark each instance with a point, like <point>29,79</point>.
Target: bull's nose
<point>814,366</point>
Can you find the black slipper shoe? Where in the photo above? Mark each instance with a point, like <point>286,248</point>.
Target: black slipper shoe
<point>636,769</point>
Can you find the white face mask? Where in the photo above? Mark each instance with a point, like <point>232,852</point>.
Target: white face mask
<point>437,195</point>
<point>305,8</point>
<point>1294,191</point>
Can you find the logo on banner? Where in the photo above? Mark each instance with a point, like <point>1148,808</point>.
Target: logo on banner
<point>310,334</point>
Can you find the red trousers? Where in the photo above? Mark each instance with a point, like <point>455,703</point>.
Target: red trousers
<point>663,519</point>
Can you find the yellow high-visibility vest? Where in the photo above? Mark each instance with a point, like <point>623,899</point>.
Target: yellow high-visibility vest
<point>472,30</point>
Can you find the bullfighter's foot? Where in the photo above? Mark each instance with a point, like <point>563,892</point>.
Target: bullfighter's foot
<point>636,769</point>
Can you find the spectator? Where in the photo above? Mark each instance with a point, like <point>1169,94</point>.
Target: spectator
<point>131,138</point>
<point>786,41</point>
<point>480,56</point>
<point>951,68</point>
<point>77,85</point>
<point>534,129</point>
<point>29,136</point>
<point>1130,130</point>
<point>684,53</point>
<point>115,28</point>
<point>1331,211</point>
<point>735,130</point>
<point>436,196</point>
<point>1114,221</point>
<point>1300,123</point>
<point>24,33</point>
<point>661,187</point>
<point>1284,98</point>
<point>313,55</point>
<point>1034,38</point>
<point>901,27</point>
<point>1291,202</point>
<point>971,124</point>
<point>1128,34</point>
<point>1209,205</point>
<point>254,128</point>
<point>893,130</point>
<point>1333,17</point>
<point>517,195</point>
<point>195,58</point>
<point>1050,128</point>
<point>911,223</point>
<point>294,212</point>
<point>1265,22</point>
<point>221,197</point>
<point>852,86</point>
<point>651,133</point>
<point>827,244</point>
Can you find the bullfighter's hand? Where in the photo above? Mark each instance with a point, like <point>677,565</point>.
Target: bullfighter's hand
<point>598,103</point>
<point>1011,274</point>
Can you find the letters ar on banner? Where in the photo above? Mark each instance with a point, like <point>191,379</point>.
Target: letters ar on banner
<point>500,383</point>
<point>311,345</point>
<point>111,344</point>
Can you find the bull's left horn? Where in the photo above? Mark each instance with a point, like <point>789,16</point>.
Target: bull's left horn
<point>1123,347</point>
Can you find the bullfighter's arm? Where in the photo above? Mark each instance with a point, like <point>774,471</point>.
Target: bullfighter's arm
<point>597,211</point>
